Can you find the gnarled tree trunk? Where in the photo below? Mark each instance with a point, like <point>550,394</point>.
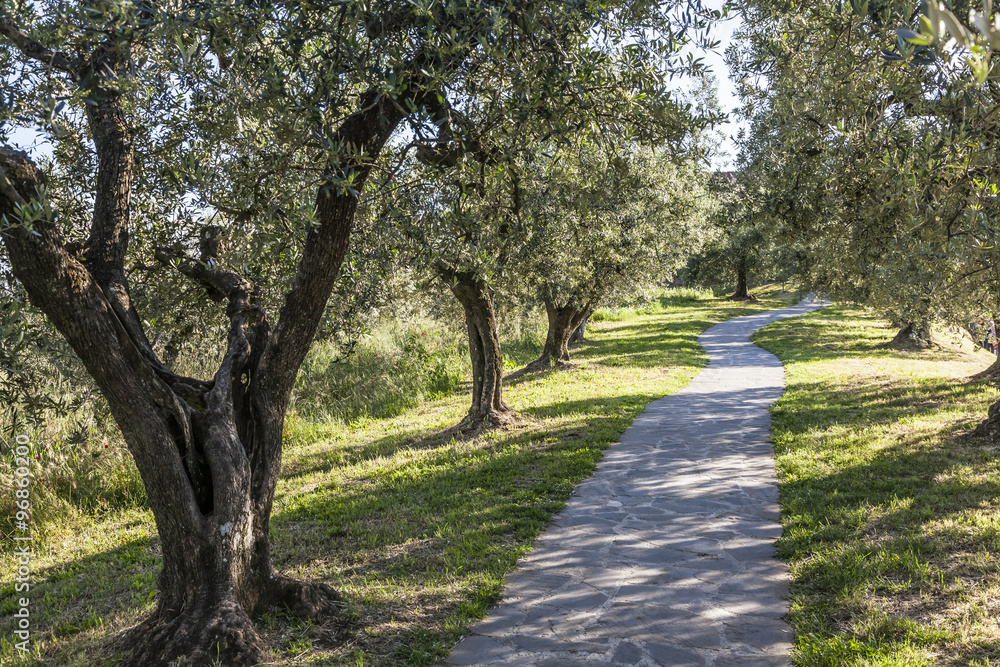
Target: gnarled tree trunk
<point>484,343</point>
<point>912,335</point>
<point>563,321</point>
<point>742,292</point>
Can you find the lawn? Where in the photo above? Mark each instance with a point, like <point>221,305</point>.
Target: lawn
<point>414,526</point>
<point>890,510</point>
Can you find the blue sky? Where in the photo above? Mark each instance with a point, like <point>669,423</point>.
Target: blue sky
<point>727,90</point>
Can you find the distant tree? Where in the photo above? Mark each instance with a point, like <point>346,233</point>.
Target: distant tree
<point>462,232</point>
<point>608,219</point>
<point>740,247</point>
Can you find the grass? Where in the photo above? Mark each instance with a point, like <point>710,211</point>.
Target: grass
<point>890,510</point>
<point>416,529</point>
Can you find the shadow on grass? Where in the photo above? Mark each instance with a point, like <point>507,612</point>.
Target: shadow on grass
<point>877,531</point>
<point>519,467</point>
<point>77,602</point>
<point>456,520</point>
<point>818,407</point>
<point>886,501</point>
<point>450,521</point>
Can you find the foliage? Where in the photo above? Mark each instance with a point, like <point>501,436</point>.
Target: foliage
<point>39,375</point>
<point>737,240</point>
<point>396,367</point>
<point>871,144</point>
<point>609,220</point>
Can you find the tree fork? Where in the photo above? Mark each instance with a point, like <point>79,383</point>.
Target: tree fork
<point>210,474</point>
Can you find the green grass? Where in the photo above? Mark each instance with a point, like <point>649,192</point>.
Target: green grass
<point>415,528</point>
<point>890,510</point>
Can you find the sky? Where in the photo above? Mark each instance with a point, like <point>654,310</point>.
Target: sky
<point>728,100</point>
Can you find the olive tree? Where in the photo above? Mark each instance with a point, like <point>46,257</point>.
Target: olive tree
<point>872,134</point>
<point>464,209</point>
<point>608,219</point>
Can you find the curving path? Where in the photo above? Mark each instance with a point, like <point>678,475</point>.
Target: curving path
<point>665,556</point>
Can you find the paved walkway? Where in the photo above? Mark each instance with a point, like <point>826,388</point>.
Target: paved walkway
<point>665,556</point>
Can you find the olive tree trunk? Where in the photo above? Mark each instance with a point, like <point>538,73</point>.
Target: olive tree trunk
<point>476,298</point>
<point>563,321</point>
<point>912,335</point>
<point>742,292</point>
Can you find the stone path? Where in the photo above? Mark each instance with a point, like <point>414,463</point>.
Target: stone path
<point>665,556</point>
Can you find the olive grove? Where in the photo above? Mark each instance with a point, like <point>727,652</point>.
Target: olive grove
<point>871,136</point>
<point>220,152</point>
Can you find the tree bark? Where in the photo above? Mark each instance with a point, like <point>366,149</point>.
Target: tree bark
<point>212,585</point>
<point>989,429</point>
<point>579,332</point>
<point>563,321</point>
<point>742,292</point>
<point>201,448</point>
<point>911,336</point>
<point>484,343</point>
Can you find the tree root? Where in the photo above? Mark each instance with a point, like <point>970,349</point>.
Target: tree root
<point>546,363</point>
<point>742,299</point>
<point>308,600</point>
<point>222,634</point>
<point>473,425</point>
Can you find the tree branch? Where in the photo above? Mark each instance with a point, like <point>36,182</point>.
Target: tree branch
<point>6,187</point>
<point>219,282</point>
<point>59,285</point>
<point>364,133</point>
<point>35,50</point>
